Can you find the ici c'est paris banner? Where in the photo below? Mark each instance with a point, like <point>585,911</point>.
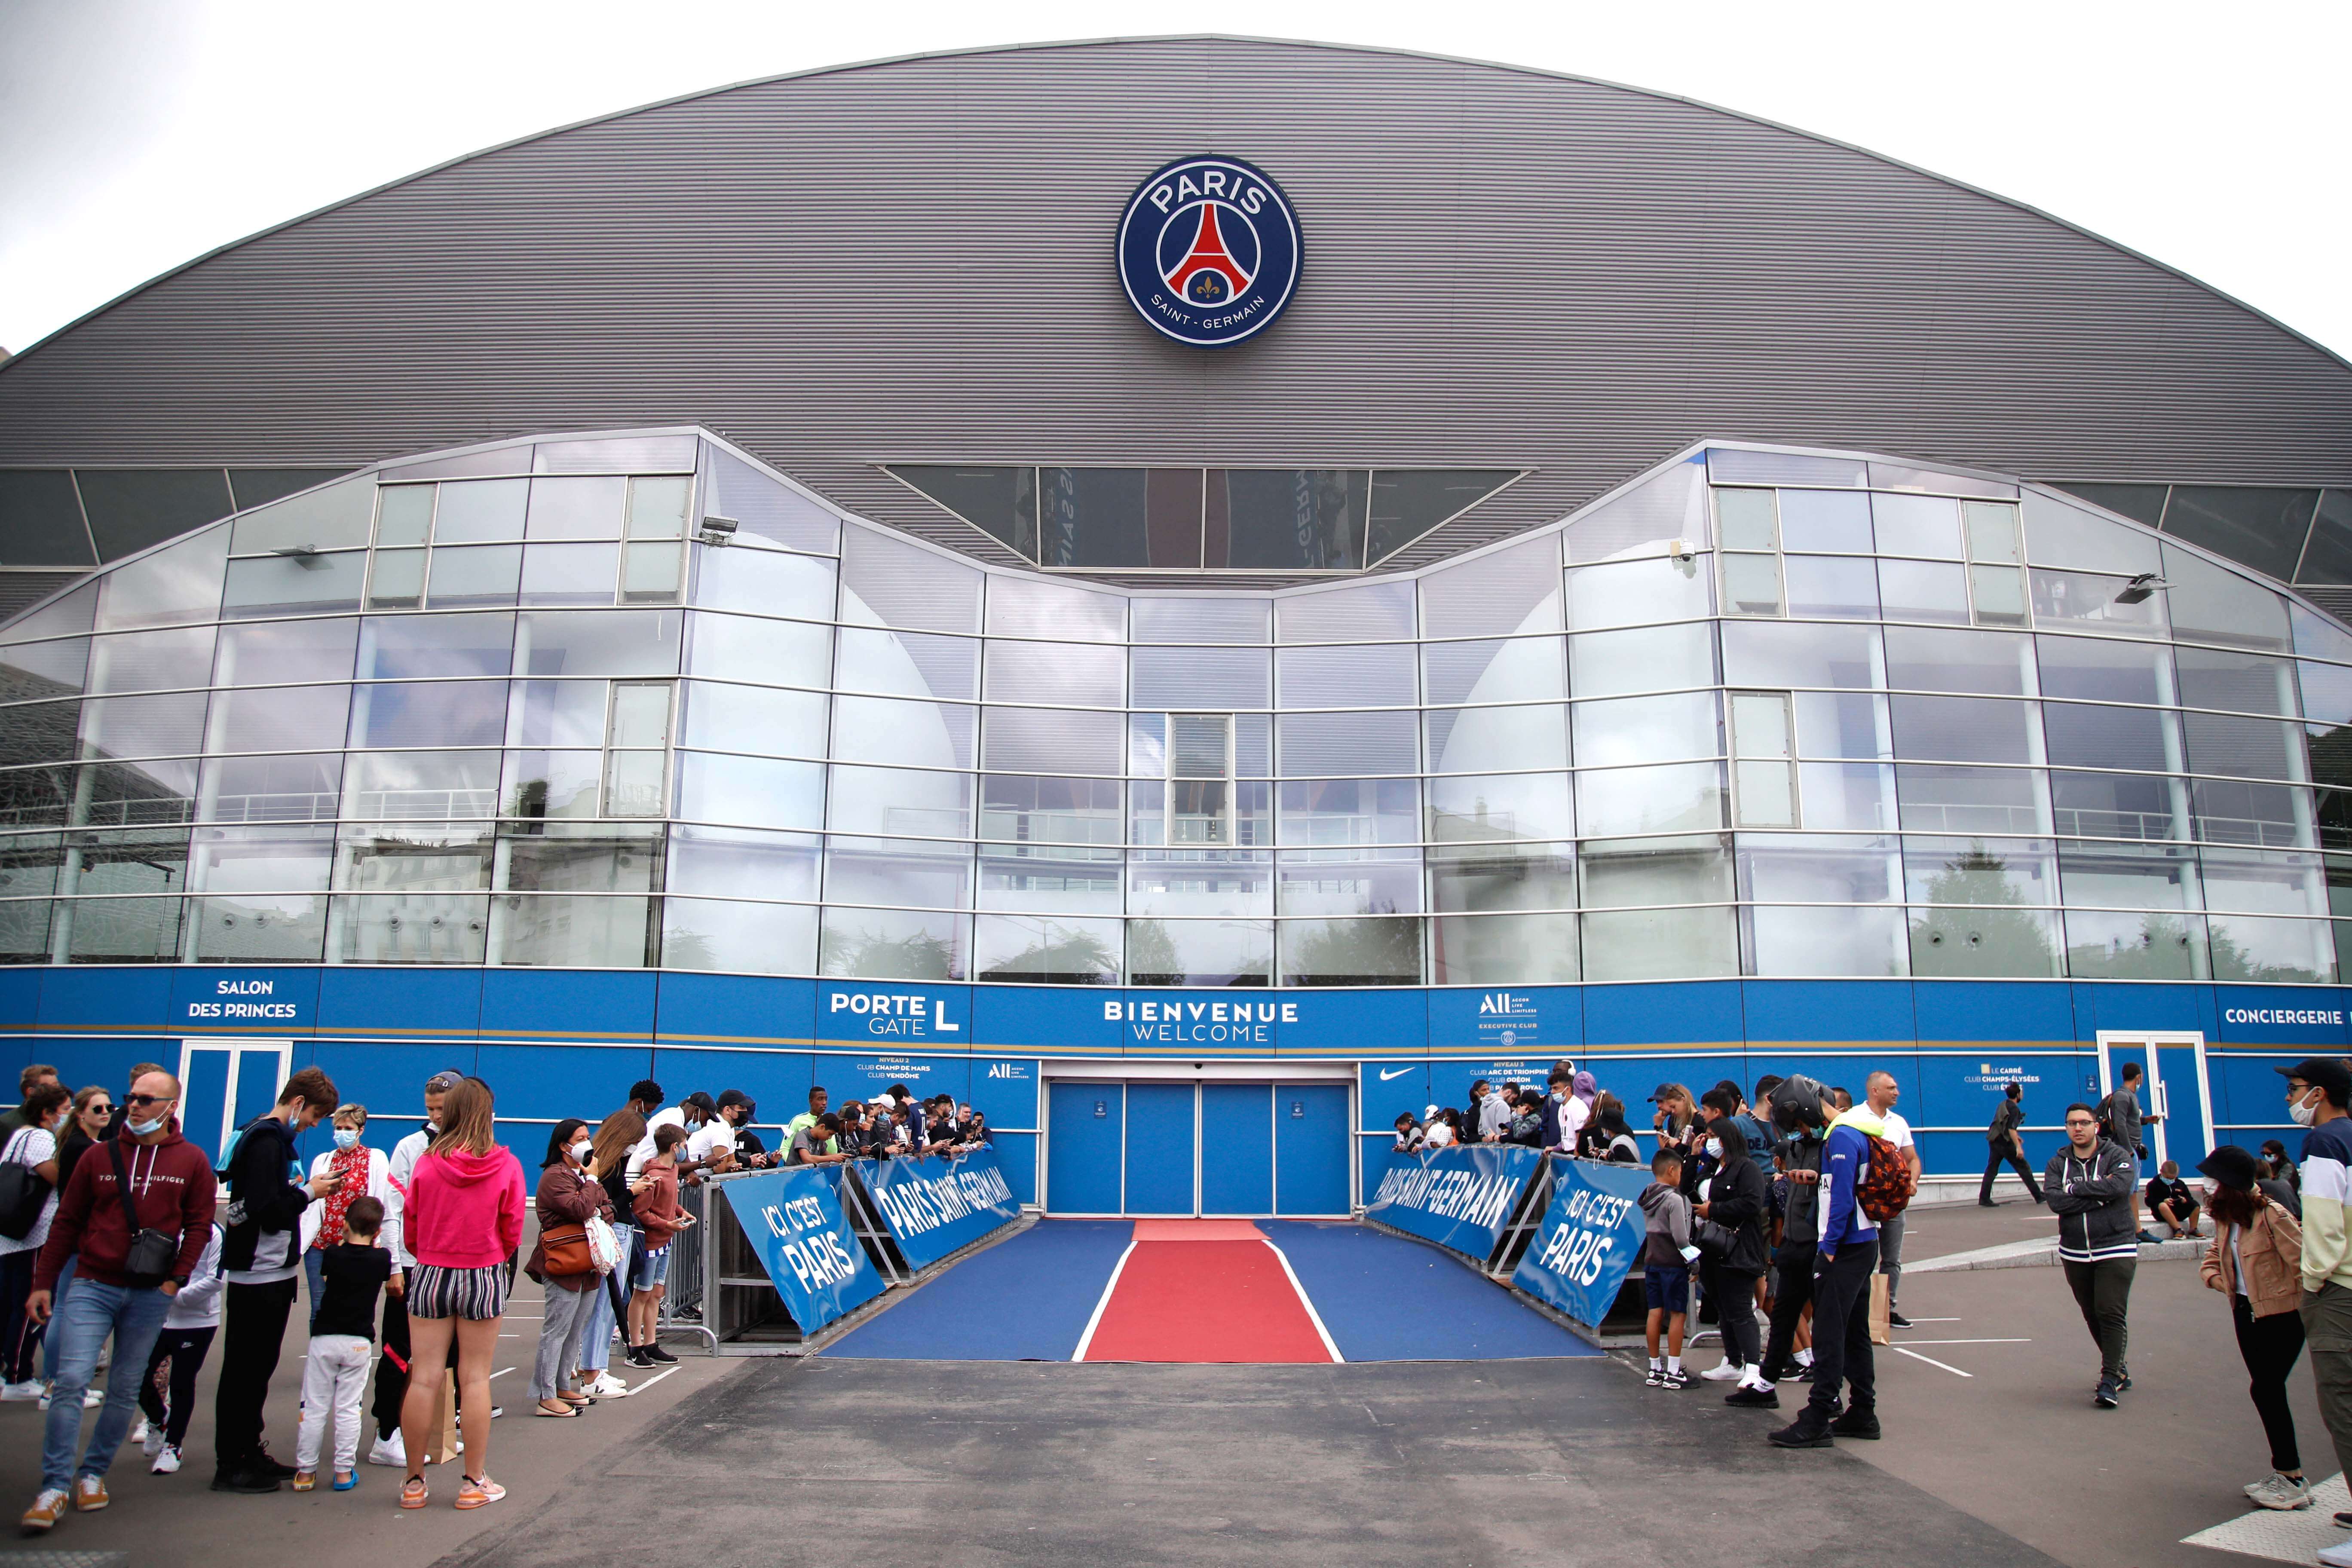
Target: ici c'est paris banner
<point>934,1207</point>
<point>1460,1196</point>
<point>1590,1239</point>
<point>794,1221</point>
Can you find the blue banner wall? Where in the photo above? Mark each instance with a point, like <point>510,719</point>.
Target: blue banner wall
<point>934,1207</point>
<point>1460,1196</point>
<point>1590,1239</point>
<point>794,1220</point>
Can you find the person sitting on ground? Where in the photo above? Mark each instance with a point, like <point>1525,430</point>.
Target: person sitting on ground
<point>2170,1200</point>
<point>817,1144</point>
<point>343,1338</point>
<point>1666,1256</point>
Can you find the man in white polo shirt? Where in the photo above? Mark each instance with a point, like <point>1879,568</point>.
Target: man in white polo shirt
<point>1880,1092</point>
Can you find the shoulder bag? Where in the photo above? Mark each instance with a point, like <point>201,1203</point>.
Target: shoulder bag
<point>24,1191</point>
<point>148,1262</point>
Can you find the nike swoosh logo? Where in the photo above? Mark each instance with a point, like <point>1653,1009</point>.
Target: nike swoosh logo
<point>1399,1073</point>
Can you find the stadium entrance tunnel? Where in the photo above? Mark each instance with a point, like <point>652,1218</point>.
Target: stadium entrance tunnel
<point>1202,1290</point>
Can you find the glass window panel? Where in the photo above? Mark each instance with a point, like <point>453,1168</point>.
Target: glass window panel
<point>70,615</point>
<point>2333,810</point>
<point>1518,670</point>
<point>1916,525</point>
<point>2095,603</point>
<point>1051,878</point>
<point>37,797</point>
<point>430,858</point>
<point>1661,945</point>
<point>2246,747</point>
<point>162,726</point>
<point>2327,694</point>
<point>900,801</point>
<point>2145,740</point>
<point>1286,519</point>
<point>294,584</point>
<point>1192,621</point>
<point>1985,943</point>
<point>181,582</point>
<point>258,928</point>
<point>128,795</point>
<point>1971,800</point>
<point>656,507</point>
<point>1752,584</point>
<point>767,509</point>
<point>1773,655</point>
<point>763,582</point>
<point>569,574</point>
<point>1515,590</point>
<point>1657,871</point>
<point>270,789</point>
<point>2240,682</point>
<point>1470,808</point>
<point>1330,676</point>
<point>1172,517</point>
<point>584,858</point>
<point>150,661</point>
<point>2273,950</point>
<point>509,458</point>
<point>891,582</point>
<point>2327,558</point>
<point>1923,591</point>
<point>754,719</point>
<point>1033,607</point>
<point>1503,950</point>
<point>1736,466</point>
<point>558,785</point>
<point>1039,950</point>
<point>2262,527</point>
<point>263,651</point>
<point>633,783</point>
<point>1049,810</point>
<point>408,928</point>
<point>573,932</point>
<point>2231,811</point>
<point>750,792</point>
<point>1999,664</point>
<point>2074,538</point>
<point>1349,883</point>
<point>1979,871</point>
<point>2000,595</point>
<point>651,573</point>
<point>640,714</point>
<point>1071,675</point>
<point>1343,743</point>
<point>1842,725</point>
<point>1200,882</point>
<point>474,574</point>
<point>1676,798</point>
<point>738,647</point>
<point>1652,515</point>
<point>1229,952</point>
<point>2122,876</point>
<point>1350,952</point>
<point>1484,879</point>
<point>1213,678</point>
<point>2103,670</point>
<point>598,643</point>
<point>40,733</point>
<point>1647,728</point>
<point>2120,806</point>
<point>1834,521</point>
<point>1408,502</point>
<point>1489,740</point>
<point>579,508</point>
<point>1373,612</point>
<point>1818,869</point>
<point>2212,603</point>
<point>1743,519</point>
<point>118,931</point>
<point>898,871</point>
<point>1638,592</point>
<point>907,665</point>
<point>1001,501</point>
<point>732,863</point>
<point>273,859</point>
<point>2141,504</point>
<point>557,713</point>
<point>407,648</point>
<point>427,785</point>
<point>1766,793</point>
<point>30,866</point>
<point>1965,730</point>
<point>1348,811</point>
<point>278,719</point>
<point>738,938</point>
<point>1991,529</point>
<point>1849,796</point>
<point>2135,944</point>
<point>894,944</point>
<point>1648,658</point>
<point>1094,517</point>
<point>1826,941</point>
<point>479,511</point>
<point>909,735</point>
<point>425,713</point>
<point>403,515</point>
<point>130,860</point>
<point>58,668</point>
<point>1831,587</point>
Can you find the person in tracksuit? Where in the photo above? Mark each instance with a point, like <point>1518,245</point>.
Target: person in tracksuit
<point>1796,1112</point>
<point>2089,1187</point>
<point>1844,1257</point>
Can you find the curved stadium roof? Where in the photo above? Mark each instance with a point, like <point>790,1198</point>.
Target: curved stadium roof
<point>909,261</point>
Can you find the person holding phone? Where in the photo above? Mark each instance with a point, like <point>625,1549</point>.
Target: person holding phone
<point>654,1201</point>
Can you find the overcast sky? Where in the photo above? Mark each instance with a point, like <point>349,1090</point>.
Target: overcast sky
<point>135,134</point>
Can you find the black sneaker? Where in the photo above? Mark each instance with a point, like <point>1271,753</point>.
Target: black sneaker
<point>1897,1319</point>
<point>1802,1434</point>
<point>247,1482</point>
<point>639,1358</point>
<point>1804,1372</point>
<point>263,1465</point>
<point>1987,1203</point>
<point>2103,1396</point>
<point>1752,1398</point>
<point>2123,1379</point>
<point>2344,1521</point>
<point>658,1354</point>
<point>1657,1375</point>
<point>1856,1424</point>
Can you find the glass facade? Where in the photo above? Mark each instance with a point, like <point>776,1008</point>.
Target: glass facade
<point>1765,712</point>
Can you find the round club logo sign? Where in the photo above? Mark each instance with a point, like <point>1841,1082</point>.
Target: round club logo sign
<point>1208,251</point>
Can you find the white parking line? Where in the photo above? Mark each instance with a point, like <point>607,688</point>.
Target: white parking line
<point>1970,1343</point>
<point>1095,1321</point>
<point>1931,1360</point>
<point>1313,1316</point>
<point>502,1372</point>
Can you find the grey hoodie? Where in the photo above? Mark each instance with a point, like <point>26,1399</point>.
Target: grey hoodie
<point>1665,1227</point>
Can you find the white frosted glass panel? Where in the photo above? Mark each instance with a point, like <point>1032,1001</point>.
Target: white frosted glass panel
<point>1051,878</point>
<point>1661,945</point>
<point>900,801</point>
<point>780,653</point>
<point>1069,674</point>
<point>610,642</point>
<point>1852,796</point>
<point>481,511</point>
<point>2059,533</point>
<point>1638,592</point>
<point>2249,881</point>
<point>1503,950</point>
<point>331,518</point>
<point>1488,877</point>
<point>1793,655</point>
<point>1194,619</point>
<point>1513,590</point>
<point>1916,525</point>
<point>1375,612</point>
<point>473,575</point>
<point>1803,942</point>
<point>513,458</point>
<point>148,661</point>
<point>1349,883</point>
<point>181,582</point>
<point>909,735</point>
<point>1200,882</point>
<point>275,859</point>
<point>1818,868</point>
<point>1349,952</point>
<point>754,719</point>
<point>1993,664</point>
<point>1676,798</point>
<point>1492,740</point>
<point>2273,950</point>
<point>1965,730</point>
<point>907,664</point>
<point>762,583</point>
<point>570,574</point>
<point>1644,520</point>
<point>1521,669</point>
<point>1971,800</point>
<point>1052,740</point>
<point>1647,728</point>
<point>1212,680</point>
<point>1379,675</point>
<point>1979,871</point>
<point>576,509</point>
<point>2100,670</point>
<point>885,583</point>
<point>1902,477</point>
<point>1027,607</point>
<point>1986,943</point>
<point>1923,591</point>
<point>162,726</point>
<point>764,509</point>
<point>2128,876</point>
<point>898,871</point>
<point>738,938</point>
<point>1835,521</point>
<point>268,650</point>
<point>750,792</point>
<point>1728,466</point>
<point>1648,658</point>
<point>737,863</point>
<point>1347,743</point>
<point>1500,807</point>
<point>1832,587</point>
<point>1347,812</point>
<point>614,455</point>
<point>1232,953</point>
<point>278,719</point>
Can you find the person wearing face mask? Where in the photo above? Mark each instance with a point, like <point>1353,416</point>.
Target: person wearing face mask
<point>1737,1198</point>
<point>392,1366</point>
<point>568,1197</point>
<point>365,1174</point>
<point>2316,1094</point>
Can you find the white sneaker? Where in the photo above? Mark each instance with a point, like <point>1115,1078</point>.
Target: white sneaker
<point>2338,1555</point>
<point>29,1389</point>
<point>607,1387</point>
<point>149,1437</point>
<point>389,1451</point>
<point>167,1460</point>
<point>2274,1490</point>
<point>93,1397</point>
<point>1723,1371</point>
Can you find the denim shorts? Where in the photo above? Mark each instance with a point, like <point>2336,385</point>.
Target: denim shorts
<point>653,1267</point>
<point>1666,1289</point>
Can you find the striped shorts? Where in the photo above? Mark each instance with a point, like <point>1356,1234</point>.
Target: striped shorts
<point>475,1294</point>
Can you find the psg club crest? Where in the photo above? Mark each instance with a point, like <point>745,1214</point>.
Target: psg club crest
<point>1208,251</point>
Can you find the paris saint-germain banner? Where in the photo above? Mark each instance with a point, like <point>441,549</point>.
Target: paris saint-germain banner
<point>1460,1196</point>
<point>794,1221</point>
<point>1590,1239</point>
<point>934,1207</point>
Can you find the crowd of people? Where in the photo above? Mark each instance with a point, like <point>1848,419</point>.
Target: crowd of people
<point>118,1235</point>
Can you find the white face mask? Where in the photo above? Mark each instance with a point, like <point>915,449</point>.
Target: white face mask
<point>580,1153</point>
<point>2304,1112</point>
<point>1714,1148</point>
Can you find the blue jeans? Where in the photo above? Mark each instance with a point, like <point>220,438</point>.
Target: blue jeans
<point>57,1300</point>
<point>596,1338</point>
<point>90,1313</point>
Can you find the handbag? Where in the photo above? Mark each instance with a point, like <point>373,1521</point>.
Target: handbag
<point>24,1192</point>
<point>152,1252</point>
<point>604,1246</point>
<point>566,1252</point>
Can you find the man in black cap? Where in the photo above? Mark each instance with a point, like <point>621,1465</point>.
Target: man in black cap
<point>2317,1092</point>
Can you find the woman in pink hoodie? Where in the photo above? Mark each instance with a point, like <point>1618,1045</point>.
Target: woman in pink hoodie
<point>462,1221</point>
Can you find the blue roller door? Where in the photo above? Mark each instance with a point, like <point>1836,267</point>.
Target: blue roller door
<point>1086,1136</point>
<point>1236,1148</point>
<point>1159,1147</point>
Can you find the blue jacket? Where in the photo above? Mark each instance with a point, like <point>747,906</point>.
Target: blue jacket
<point>1845,1159</point>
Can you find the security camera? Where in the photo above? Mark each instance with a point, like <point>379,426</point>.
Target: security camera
<point>2140,587</point>
<point>716,531</point>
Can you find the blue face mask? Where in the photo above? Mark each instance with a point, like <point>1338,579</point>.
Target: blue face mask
<point>148,1129</point>
<point>346,1138</point>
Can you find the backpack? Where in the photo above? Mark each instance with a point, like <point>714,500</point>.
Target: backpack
<point>1886,1190</point>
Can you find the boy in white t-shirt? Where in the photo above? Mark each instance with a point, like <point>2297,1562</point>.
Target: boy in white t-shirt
<point>1881,1092</point>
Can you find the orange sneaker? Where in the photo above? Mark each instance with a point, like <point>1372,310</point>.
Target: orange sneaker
<point>479,1493</point>
<point>90,1494</point>
<point>414,1492</point>
<point>47,1509</point>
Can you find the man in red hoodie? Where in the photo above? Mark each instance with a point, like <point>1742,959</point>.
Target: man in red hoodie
<point>169,1188</point>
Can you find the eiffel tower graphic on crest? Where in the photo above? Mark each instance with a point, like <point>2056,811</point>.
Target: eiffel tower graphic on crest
<point>1207,275</point>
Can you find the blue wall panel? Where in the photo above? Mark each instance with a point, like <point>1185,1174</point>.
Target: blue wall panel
<point>1005,1090</point>
<point>1827,1010</point>
<point>1159,1133</point>
<point>862,1075</point>
<point>1344,1023</point>
<point>389,1079</point>
<point>568,1005</point>
<point>1389,1087</point>
<point>1534,1024</point>
<point>1017,1153</point>
<point>777,1082</point>
<point>2114,1007</point>
<point>1082,1148</point>
<point>2018,1011</point>
<point>1063,1020</point>
<point>98,999</point>
<point>1310,1141</point>
<point>1208,1026</point>
<point>1237,1136</point>
<point>400,1002</point>
<point>1691,1012</point>
<point>897,1015</point>
<point>20,998</point>
<point>727,1009</point>
<point>549,1082</point>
